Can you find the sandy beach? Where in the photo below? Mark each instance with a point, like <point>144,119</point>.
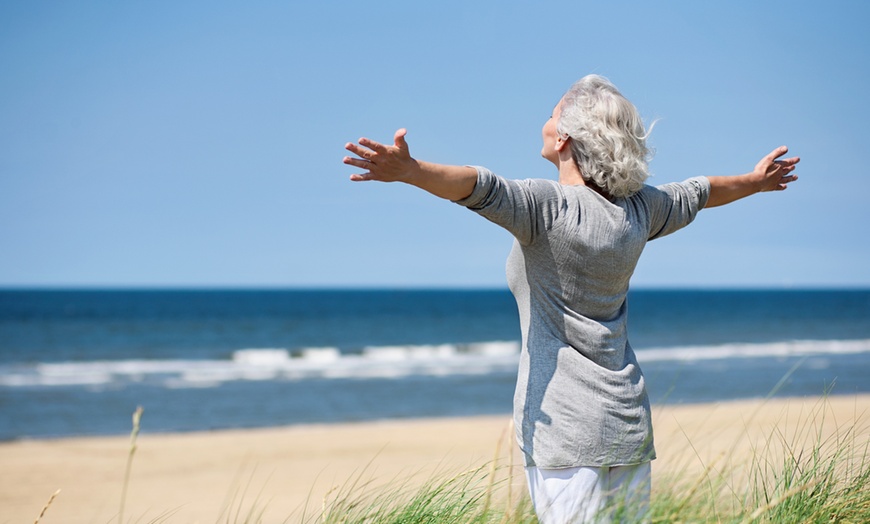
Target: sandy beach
<point>193,477</point>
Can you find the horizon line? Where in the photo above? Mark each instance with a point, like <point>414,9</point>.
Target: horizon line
<point>405,287</point>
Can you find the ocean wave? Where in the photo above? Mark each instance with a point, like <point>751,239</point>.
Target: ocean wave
<point>793,348</point>
<point>260,364</point>
<point>383,362</point>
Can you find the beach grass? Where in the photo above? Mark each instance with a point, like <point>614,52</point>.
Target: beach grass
<point>785,481</point>
<point>823,484</point>
<point>465,497</point>
<point>801,475</point>
<point>806,469</point>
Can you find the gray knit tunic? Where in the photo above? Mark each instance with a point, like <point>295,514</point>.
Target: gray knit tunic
<point>580,398</point>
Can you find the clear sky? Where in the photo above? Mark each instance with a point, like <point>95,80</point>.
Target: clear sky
<point>200,143</point>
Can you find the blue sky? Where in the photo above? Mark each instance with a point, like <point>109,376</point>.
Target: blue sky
<point>200,143</point>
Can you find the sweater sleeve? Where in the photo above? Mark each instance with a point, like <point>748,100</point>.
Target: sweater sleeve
<point>674,206</point>
<point>524,207</point>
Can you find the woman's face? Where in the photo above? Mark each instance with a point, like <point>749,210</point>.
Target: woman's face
<point>551,137</point>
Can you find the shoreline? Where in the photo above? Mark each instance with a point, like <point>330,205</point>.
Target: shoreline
<point>194,475</point>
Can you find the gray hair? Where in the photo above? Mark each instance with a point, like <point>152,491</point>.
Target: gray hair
<point>608,138</point>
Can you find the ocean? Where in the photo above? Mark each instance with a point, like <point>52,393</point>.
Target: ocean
<point>79,362</point>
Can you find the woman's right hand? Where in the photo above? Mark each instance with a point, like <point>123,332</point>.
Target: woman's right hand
<point>773,174</point>
<point>770,174</point>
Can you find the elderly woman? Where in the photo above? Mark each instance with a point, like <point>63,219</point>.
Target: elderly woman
<point>581,411</point>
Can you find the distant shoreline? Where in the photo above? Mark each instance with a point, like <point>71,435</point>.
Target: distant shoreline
<point>660,406</point>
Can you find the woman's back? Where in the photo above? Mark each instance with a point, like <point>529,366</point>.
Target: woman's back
<point>580,397</point>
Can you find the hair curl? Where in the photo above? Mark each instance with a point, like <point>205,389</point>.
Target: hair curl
<point>608,138</point>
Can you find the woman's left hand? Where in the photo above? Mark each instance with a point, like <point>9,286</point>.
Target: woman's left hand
<point>395,164</point>
<point>383,163</point>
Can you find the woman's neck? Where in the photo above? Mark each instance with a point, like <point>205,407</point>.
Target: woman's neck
<point>569,175</point>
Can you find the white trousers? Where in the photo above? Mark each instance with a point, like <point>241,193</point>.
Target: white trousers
<point>590,495</point>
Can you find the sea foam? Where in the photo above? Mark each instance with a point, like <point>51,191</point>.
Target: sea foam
<point>384,362</point>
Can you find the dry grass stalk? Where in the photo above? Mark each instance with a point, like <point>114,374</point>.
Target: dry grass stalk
<point>137,416</point>
<point>44,508</point>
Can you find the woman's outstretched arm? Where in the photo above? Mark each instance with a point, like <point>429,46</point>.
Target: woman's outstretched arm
<point>770,174</point>
<point>395,164</point>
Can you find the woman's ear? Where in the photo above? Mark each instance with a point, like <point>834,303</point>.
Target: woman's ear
<point>561,142</point>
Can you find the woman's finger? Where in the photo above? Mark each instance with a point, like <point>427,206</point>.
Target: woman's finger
<point>776,153</point>
<point>357,162</point>
<point>790,161</point>
<point>358,151</point>
<point>399,139</point>
<point>377,147</point>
